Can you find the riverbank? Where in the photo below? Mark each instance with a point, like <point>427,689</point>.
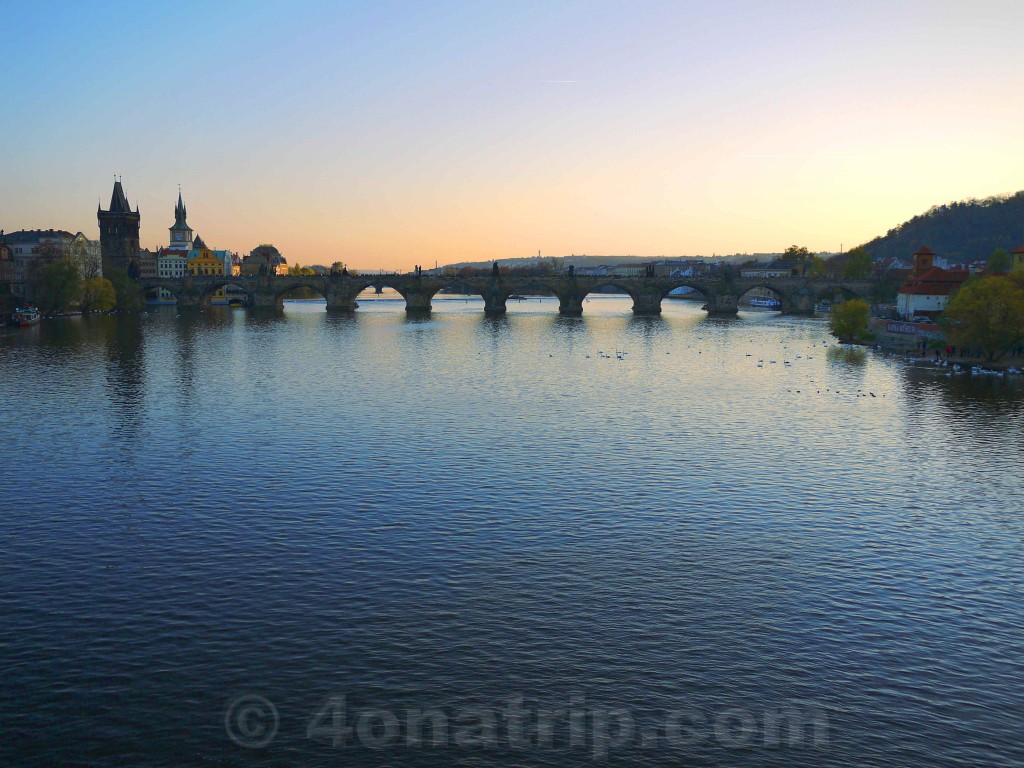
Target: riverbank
<point>1005,364</point>
<point>926,342</point>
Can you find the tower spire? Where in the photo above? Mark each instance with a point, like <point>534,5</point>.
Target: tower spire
<point>181,233</point>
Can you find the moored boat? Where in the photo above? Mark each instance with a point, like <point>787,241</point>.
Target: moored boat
<point>25,316</point>
<point>765,302</point>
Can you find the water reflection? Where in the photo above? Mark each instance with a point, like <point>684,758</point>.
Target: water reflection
<point>848,355</point>
<point>125,377</point>
<point>649,329</point>
<point>414,510</point>
<point>189,330</point>
<point>493,331</point>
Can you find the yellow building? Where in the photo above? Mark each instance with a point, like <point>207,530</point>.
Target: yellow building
<point>201,260</point>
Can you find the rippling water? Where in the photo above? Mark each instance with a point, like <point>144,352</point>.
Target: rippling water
<point>624,518</point>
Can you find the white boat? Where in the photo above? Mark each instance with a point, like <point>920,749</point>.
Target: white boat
<point>760,301</point>
<point>25,316</point>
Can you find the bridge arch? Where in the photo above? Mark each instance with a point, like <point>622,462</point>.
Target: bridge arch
<point>773,289</point>
<point>833,290</point>
<point>671,285</point>
<point>698,291</point>
<point>300,289</point>
<point>532,286</point>
<point>155,293</point>
<point>211,285</point>
<point>455,286</point>
<point>644,302</point>
<point>611,282</point>
<point>441,287</point>
<point>394,282</point>
<point>415,291</point>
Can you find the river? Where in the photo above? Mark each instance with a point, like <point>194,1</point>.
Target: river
<point>295,538</point>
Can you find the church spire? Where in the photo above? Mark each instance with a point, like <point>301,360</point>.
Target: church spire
<point>181,232</point>
<point>180,214</point>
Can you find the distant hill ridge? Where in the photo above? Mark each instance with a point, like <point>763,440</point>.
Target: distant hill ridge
<point>607,260</point>
<point>966,230</point>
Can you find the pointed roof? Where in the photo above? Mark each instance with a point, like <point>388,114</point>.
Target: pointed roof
<point>924,251</point>
<point>197,243</point>
<point>118,201</point>
<point>180,214</point>
<point>1018,249</point>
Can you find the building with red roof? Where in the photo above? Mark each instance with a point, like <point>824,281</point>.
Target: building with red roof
<point>928,289</point>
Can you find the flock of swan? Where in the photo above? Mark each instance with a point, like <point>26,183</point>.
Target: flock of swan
<point>975,370</point>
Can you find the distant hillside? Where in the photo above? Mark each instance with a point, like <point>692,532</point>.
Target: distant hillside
<point>963,231</point>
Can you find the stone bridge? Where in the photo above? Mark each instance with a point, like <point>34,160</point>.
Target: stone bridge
<point>798,295</point>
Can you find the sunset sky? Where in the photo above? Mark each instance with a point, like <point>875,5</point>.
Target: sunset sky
<point>389,134</point>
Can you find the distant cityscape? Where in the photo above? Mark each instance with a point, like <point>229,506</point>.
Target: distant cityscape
<point>912,288</point>
<point>23,253</point>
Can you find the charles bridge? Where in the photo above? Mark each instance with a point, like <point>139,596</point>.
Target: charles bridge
<point>722,295</point>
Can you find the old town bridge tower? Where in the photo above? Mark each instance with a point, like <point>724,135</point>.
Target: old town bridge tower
<point>119,233</point>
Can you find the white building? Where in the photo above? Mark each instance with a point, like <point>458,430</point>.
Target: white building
<point>172,263</point>
<point>774,270</point>
<point>928,289</point>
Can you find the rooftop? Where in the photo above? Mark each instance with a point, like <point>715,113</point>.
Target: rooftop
<point>935,281</point>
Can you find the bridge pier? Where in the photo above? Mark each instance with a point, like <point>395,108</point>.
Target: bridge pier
<point>494,297</point>
<point>341,301</point>
<point>799,303</point>
<point>263,300</point>
<point>647,304</point>
<point>417,302</point>
<point>723,304</point>
<point>494,305</point>
<point>570,304</point>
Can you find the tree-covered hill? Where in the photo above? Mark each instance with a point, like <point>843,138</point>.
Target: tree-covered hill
<point>963,231</point>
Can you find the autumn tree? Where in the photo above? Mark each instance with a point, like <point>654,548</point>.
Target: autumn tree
<point>817,267</point>
<point>988,314</point>
<point>858,265</point>
<point>850,320</point>
<point>84,258</point>
<point>128,298</point>
<point>58,285</point>
<point>797,254</point>
<point>98,295</point>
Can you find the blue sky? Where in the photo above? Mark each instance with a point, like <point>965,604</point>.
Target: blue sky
<point>389,134</point>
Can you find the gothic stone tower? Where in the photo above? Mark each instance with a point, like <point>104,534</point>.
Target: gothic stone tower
<point>119,234</point>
